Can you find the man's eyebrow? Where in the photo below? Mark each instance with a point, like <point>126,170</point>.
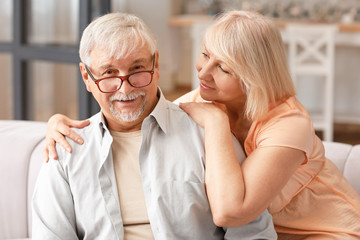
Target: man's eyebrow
<point>140,60</point>
<point>136,61</point>
<point>106,66</point>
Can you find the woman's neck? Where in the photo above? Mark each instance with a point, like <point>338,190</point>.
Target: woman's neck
<point>239,123</point>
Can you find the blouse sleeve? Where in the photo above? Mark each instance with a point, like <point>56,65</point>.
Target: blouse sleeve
<point>293,130</point>
<point>193,96</point>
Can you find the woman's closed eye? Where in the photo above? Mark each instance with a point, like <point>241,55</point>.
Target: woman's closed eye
<point>205,54</point>
<point>223,70</point>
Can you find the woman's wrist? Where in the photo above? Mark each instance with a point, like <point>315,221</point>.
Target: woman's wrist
<point>218,120</point>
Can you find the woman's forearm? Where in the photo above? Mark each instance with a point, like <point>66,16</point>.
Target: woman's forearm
<point>223,177</point>
<point>235,192</point>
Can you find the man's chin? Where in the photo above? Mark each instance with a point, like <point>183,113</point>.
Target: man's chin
<point>128,117</point>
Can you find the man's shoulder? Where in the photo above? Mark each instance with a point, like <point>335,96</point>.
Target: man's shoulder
<point>89,134</point>
<point>95,125</point>
<point>177,114</point>
<point>171,119</point>
<point>180,122</point>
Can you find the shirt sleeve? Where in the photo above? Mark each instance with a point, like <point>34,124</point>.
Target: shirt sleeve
<point>239,151</point>
<point>261,228</point>
<point>53,215</point>
<point>292,130</point>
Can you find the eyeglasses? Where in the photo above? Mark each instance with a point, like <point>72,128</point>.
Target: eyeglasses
<point>112,84</point>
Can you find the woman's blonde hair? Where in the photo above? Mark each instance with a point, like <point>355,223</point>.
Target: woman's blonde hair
<point>251,45</point>
<point>118,33</point>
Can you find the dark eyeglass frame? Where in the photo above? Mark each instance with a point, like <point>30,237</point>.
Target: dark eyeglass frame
<point>122,78</point>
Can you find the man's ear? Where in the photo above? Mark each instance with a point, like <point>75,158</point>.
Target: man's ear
<point>157,64</point>
<point>157,59</point>
<point>85,76</point>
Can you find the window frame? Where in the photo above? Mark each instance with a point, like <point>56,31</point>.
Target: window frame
<point>21,53</point>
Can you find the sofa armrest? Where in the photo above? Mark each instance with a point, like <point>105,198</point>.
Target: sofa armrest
<point>36,160</point>
<point>18,139</point>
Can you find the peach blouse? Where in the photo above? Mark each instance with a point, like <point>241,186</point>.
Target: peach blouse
<point>317,202</point>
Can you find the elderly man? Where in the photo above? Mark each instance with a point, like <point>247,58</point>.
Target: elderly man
<point>140,172</point>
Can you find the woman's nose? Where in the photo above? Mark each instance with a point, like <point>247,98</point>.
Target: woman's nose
<point>204,72</point>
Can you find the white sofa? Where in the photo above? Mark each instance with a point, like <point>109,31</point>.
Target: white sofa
<point>21,144</point>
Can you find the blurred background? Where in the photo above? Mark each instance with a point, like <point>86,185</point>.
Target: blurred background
<point>39,51</point>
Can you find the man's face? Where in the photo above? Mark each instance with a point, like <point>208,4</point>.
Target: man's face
<point>126,108</point>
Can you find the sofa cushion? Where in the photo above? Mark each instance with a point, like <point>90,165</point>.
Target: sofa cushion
<point>352,168</point>
<point>337,153</point>
<point>347,158</point>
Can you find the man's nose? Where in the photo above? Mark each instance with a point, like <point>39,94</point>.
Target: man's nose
<point>125,88</point>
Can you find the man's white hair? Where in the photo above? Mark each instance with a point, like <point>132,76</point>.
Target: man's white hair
<point>119,34</point>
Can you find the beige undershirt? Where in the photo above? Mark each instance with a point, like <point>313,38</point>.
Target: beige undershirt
<point>125,149</point>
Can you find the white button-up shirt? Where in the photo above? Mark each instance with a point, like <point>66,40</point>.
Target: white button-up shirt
<point>76,196</point>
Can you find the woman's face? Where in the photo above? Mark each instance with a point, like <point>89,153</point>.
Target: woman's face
<point>217,81</point>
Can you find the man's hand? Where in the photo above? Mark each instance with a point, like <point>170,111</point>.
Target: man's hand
<point>58,127</point>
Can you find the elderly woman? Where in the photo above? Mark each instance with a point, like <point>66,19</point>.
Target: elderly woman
<point>243,73</point>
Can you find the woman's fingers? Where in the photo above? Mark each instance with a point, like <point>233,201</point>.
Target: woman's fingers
<point>59,127</point>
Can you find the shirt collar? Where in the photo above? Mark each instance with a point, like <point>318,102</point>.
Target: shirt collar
<point>99,120</point>
<point>160,112</point>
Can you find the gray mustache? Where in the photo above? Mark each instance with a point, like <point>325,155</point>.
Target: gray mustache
<point>126,97</point>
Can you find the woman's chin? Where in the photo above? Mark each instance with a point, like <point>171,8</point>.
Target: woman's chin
<point>206,96</point>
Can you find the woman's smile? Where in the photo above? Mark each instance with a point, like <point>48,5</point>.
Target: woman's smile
<point>205,87</point>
